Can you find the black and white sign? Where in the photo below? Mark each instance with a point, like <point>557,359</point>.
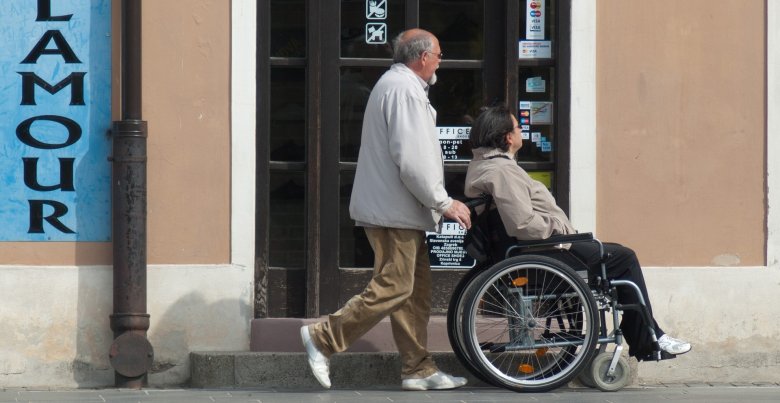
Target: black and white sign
<point>452,139</point>
<point>446,249</point>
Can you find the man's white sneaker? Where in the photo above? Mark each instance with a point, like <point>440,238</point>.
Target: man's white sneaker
<point>673,346</point>
<point>319,364</point>
<point>438,380</point>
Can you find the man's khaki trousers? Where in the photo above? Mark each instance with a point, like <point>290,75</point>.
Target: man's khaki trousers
<point>400,287</point>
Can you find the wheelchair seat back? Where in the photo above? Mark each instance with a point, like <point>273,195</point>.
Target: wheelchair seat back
<point>488,242</point>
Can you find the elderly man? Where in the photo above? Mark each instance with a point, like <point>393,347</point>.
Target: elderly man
<point>398,195</point>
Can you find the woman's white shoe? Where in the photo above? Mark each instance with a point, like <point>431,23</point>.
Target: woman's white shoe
<point>673,346</point>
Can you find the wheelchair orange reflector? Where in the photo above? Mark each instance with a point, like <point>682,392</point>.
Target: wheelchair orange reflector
<point>520,281</point>
<point>526,368</point>
<point>541,351</point>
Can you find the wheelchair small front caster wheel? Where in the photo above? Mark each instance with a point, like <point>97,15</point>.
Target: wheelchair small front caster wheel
<point>599,368</point>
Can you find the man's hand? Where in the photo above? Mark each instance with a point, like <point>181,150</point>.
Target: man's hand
<point>459,213</point>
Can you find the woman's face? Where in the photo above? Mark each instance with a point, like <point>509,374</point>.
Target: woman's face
<point>514,139</point>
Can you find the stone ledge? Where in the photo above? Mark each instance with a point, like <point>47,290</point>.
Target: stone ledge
<point>283,335</point>
<point>291,370</point>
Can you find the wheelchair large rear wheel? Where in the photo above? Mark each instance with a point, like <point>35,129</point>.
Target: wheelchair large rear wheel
<point>529,324</point>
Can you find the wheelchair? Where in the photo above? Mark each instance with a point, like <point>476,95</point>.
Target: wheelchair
<point>532,323</point>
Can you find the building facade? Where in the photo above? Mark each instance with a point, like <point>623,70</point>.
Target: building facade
<point>654,123</point>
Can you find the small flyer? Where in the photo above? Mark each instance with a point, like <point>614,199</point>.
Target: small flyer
<point>535,50</point>
<point>535,84</point>
<point>541,113</point>
<point>534,19</point>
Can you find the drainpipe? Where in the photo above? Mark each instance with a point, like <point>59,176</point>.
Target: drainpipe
<point>131,354</point>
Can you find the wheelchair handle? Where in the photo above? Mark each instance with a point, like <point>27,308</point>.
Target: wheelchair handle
<point>477,201</point>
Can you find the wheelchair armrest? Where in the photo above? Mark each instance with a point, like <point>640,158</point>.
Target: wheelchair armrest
<point>477,201</point>
<point>555,240</point>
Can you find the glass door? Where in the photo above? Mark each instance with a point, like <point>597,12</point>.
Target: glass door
<point>316,71</point>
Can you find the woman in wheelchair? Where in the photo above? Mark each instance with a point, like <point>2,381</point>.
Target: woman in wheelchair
<point>528,212</point>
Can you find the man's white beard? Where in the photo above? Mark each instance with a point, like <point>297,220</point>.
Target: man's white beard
<point>433,79</point>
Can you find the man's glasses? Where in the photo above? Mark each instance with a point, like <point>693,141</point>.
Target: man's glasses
<point>439,55</point>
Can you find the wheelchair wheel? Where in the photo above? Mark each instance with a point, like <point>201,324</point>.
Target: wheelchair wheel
<point>455,322</point>
<point>586,377</point>
<point>529,324</point>
<point>598,373</point>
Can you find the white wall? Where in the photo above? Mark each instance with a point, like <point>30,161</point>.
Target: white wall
<point>56,330</point>
<point>730,317</point>
<point>727,313</point>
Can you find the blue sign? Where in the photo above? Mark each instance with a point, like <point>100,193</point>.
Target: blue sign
<point>55,113</point>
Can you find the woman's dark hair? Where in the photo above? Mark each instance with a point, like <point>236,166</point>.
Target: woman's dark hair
<point>490,128</point>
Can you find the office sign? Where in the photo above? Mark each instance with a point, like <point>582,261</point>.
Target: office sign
<point>445,249</point>
<point>453,142</point>
<point>55,113</point>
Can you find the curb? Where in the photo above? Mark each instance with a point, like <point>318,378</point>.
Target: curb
<point>291,370</point>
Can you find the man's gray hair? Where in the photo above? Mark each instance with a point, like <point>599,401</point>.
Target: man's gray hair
<point>405,51</point>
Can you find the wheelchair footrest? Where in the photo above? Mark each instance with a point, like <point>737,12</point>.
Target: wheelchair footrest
<point>652,357</point>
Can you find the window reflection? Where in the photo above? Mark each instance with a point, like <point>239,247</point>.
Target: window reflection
<point>457,98</point>
<point>288,28</point>
<point>459,25</point>
<point>288,114</point>
<point>355,251</point>
<point>287,221</point>
<point>356,85</point>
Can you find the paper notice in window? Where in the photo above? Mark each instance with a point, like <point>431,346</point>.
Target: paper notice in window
<point>535,84</point>
<point>535,50</point>
<point>534,19</point>
<point>541,113</point>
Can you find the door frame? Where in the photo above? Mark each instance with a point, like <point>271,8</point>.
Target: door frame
<point>249,107</point>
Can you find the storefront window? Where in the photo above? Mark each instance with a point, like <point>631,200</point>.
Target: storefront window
<point>288,28</point>
<point>536,113</point>
<point>318,65</point>
<point>537,29</point>
<point>457,100</point>
<point>459,25</point>
<point>286,246</point>
<point>355,251</point>
<point>356,85</point>
<point>368,27</point>
<point>288,114</point>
